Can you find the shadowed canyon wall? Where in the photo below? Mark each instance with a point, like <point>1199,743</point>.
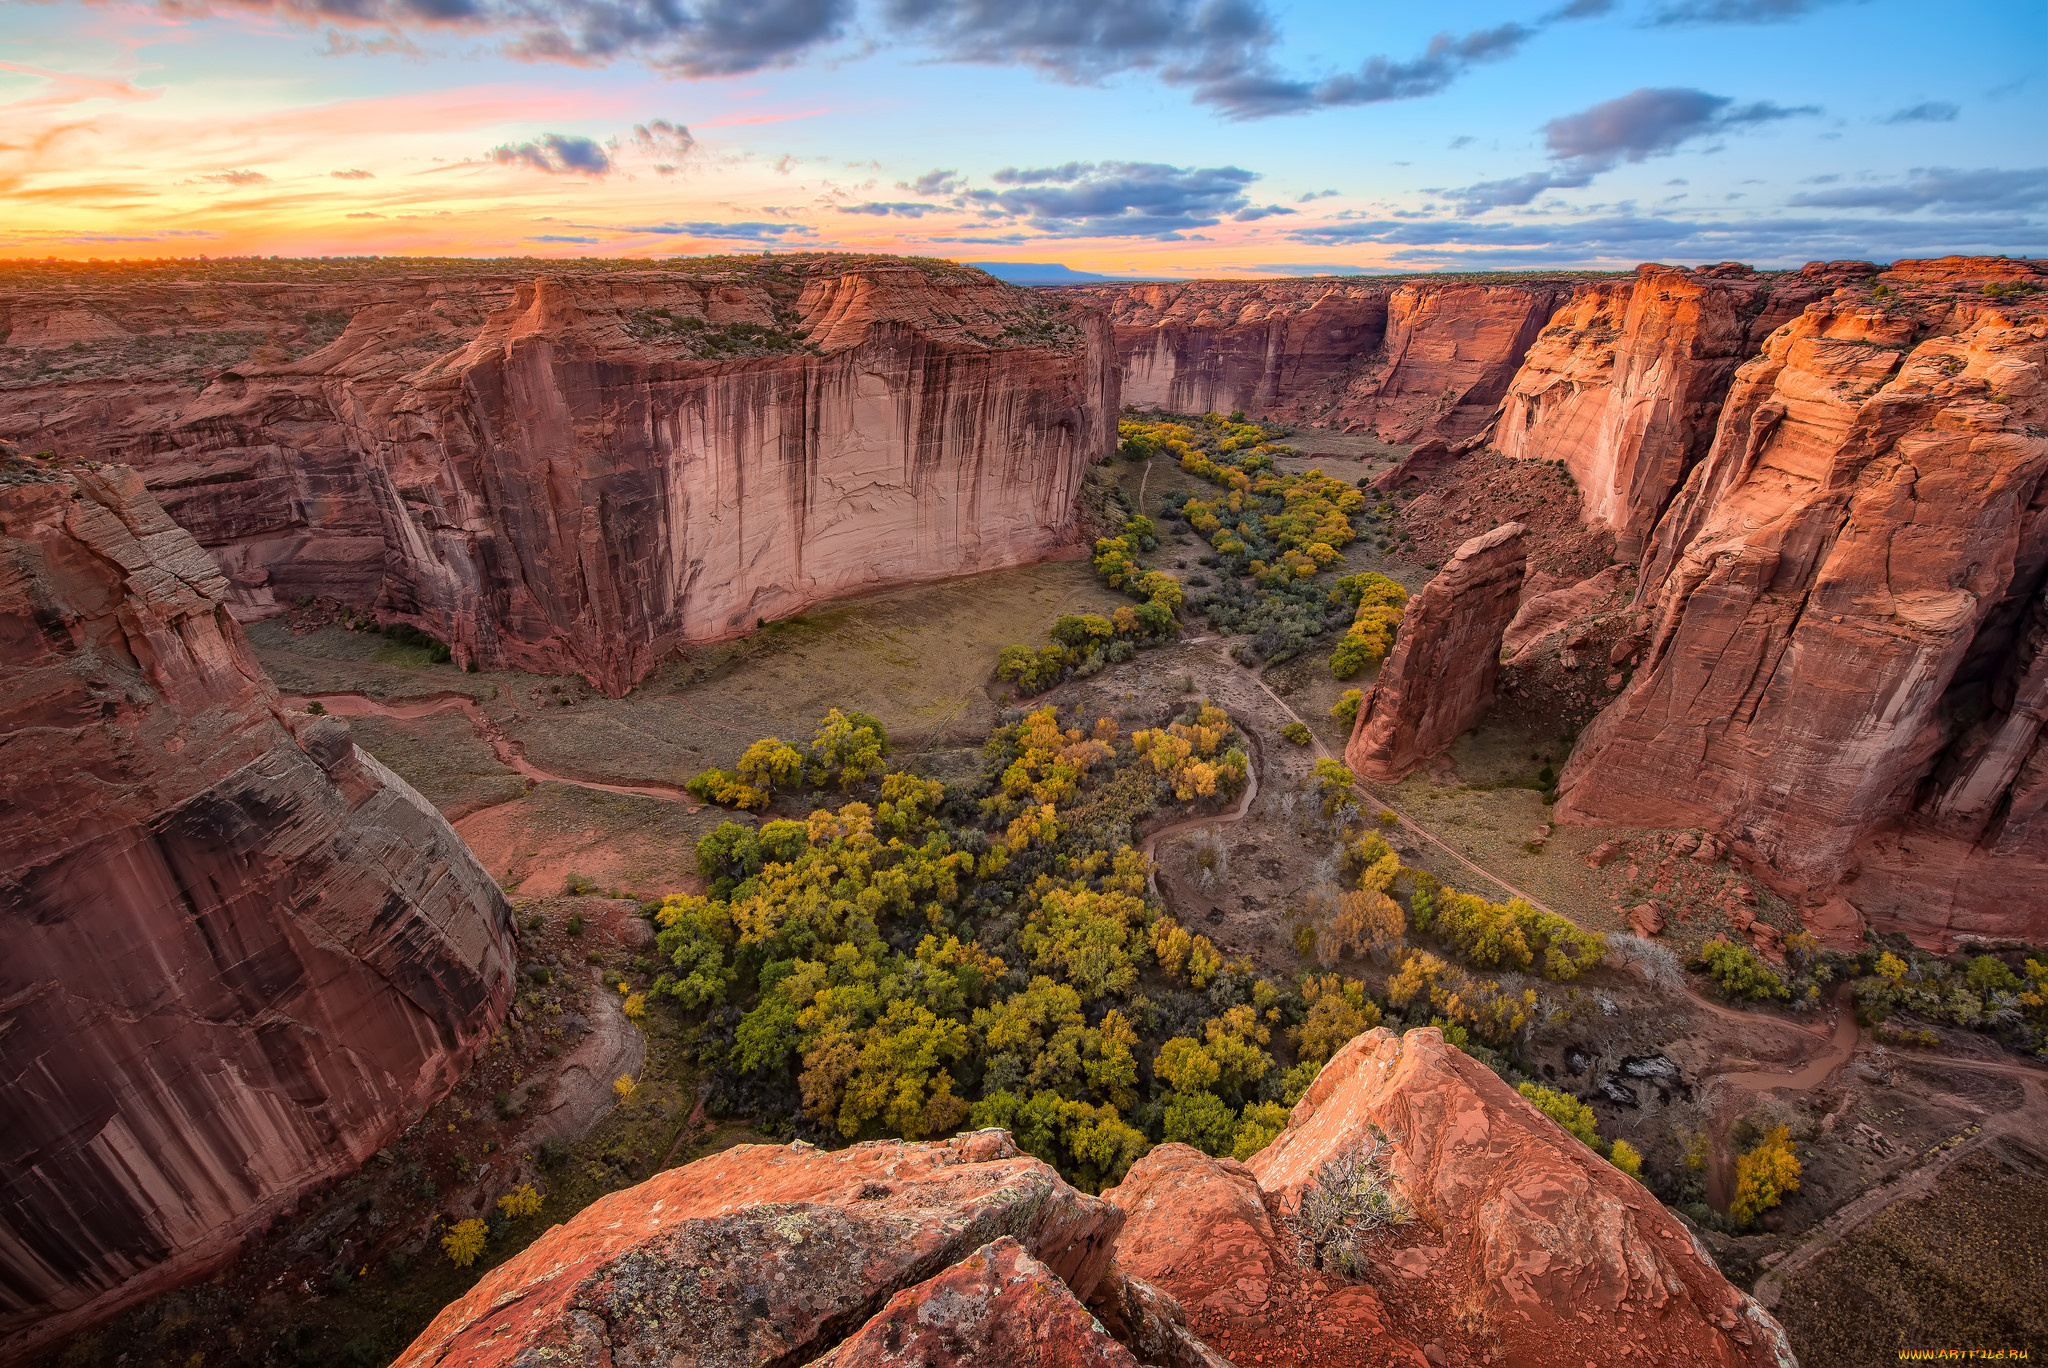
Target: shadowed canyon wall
<point>239,960</point>
<point>579,472</point>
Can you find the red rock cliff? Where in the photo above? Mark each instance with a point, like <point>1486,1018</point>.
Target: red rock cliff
<point>1625,382</point>
<point>1438,682</point>
<point>1843,612</point>
<point>580,472</point>
<point>1522,1246</point>
<point>238,961</point>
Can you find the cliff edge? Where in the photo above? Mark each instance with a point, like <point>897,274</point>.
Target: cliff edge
<point>239,960</point>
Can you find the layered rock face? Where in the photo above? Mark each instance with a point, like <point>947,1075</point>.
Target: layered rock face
<point>580,472</point>
<point>1842,609</point>
<point>1402,360</point>
<point>1519,1245</point>
<point>1624,383</point>
<point>238,960</point>
<point>1439,680</point>
<point>1620,379</point>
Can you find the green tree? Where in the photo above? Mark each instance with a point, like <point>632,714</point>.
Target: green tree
<point>1574,1115</point>
<point>1200,1119</point>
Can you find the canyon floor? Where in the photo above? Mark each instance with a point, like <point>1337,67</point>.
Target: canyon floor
<point>1923,1186</point>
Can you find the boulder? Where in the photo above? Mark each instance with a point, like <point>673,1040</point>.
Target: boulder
<point>996,1306</point>
<point>772,1254</point>
<point>1551,1254</point>
<point>1645,920</point>
<point>1439,680</point>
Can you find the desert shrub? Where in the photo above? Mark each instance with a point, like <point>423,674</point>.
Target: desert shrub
<point>1574,1115</point>
<point>464,1242</point>
<point>1513,935</point>
<point>1257,1127</point>
<point>1378,603</point>
<point>1350,1206</point>
<point>1738,972</point>
<point>1296,732</point>
<point>578,885</point>
<point>1338,1012</point>
<point>1627,1158</point>
<point>1763,1176</point>
<point>1345,709</point>
<point>521,1202</point>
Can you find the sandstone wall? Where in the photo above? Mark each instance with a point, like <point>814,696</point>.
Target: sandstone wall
<point>238,961</point>
<point>561,475</point>
<point>1625,382</point>
<point>1842,609</point>
<point>1438,681</point>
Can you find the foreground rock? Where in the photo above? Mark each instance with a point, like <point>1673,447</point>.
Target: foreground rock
<point>238,961</point>
<point>996,1306</point>
<point>1844,616</point>
<point>1516,1245</point>
<point>579,472</point>
<point>1438,681</point>
<point>767,1254</point>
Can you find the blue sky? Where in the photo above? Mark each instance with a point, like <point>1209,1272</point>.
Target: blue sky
<point>1161,137</point>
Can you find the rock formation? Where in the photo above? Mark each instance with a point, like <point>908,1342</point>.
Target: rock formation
<point>771,1254</point>
<point>1522,1246</point>
<point>578,473</point>
<point>1624,383</point>
<point>1403,360</point>
<point>238,960</point>
<point>1439,679</point>
<point>1843,612</point>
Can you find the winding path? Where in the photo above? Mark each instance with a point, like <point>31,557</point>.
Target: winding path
<point>510,753</point>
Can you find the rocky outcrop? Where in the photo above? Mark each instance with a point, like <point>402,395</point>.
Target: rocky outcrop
<point>996,1306</point>
<point>1402,359</point>
<point>580,472</point>
<point>768,1254</point>
<point>1439,679</point>
<point>238,960</point>
<point>1511,1242</point>
<point>1841,608</point>
<point>1549,1254</point>
<point>1625,381</point>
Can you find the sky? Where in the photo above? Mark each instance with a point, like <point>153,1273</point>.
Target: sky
<point>1163,138</point>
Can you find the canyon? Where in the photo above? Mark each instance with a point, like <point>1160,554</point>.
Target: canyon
<point>576,473</point>
<point>242,954</point>
<point>1829,485</point>
<point>248,956</point>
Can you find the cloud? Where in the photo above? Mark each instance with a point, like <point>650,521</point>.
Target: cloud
<point>1734,11</point>
<point>1636,126</point>
<point>1220,50</point>
<point>1115,199</point>
<point>1253,90</point>
<point>738,232</point>
<point>237,177</point>
<point>1927,111</point>
<point>895,208</point>
<point>1316,195</point>
<point>561,237</point>
<point>1462,140</point>
<point>365,214</point>
<point>1985,191</point>
<point>935,183</point>
<point>1626,238</point>
<point>557,155</point>
<point>353,175</point>
<point>1257,212</point>
<point>671,142</point>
